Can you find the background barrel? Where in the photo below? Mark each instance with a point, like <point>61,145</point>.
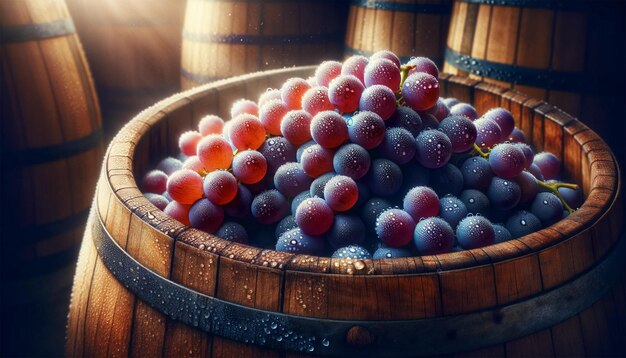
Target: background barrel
<point>51,148</point>
<point>133,48</point>
<point>406,27</point>
<point>127,296</point>
<point>223,38</point>
<point>570,53</point>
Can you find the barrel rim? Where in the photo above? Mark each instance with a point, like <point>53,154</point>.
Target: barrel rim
<point>124,143</point>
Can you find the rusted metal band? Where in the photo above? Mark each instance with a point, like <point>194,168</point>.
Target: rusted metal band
<point>329,337</point>
<point>30,32</point>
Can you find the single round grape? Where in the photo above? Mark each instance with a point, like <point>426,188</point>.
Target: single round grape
<point>387,55</point>
<point>185,186</point>
<point>464,110</point>
<point>271,115</point>
<point>292,91</point>
<point>378,99</point>
<point>286,224</point>
<point>210,124</point>
<point>297,242</point>
<point>407,118</point>
<point>506,160</point>
<point>290,179</point>
<point>188,141</point>
<point>355,65</point>
<point>488,133</point>
<point>549,164</point>
<point>446,180</point>
<point>345,92</point>
<point>517,136</point>
<point>476,173</point>
<point>529,154</point>
<point>534,170</point>
<point>522,223</point>
<point>169,165</point>
<point>384,177</point>
<point>381,71</point>
<point>391,253</point>
<point>420,91</point>
<point>301,197</point>
<point>329,129</point>
<point>452,210</point>
<point>326,72</point>
<point>398,145</point>
<point>423,64</point>
<point>295,127</point>
<point>220,187</point>
<point>394,227</point>
<point>433,236</point>
<point>475,201</point>
<point>317,160</point>
<point>249,166</point>
<point>316,100</point>
<point>277,151</point>
<point>270,94</point>
<point>429,121</point>
<point>155,181</point>
<point>206,216</point>
<point>314,216</point>
<point>157,200</point>
<point>434,148</point>
<point>503,193</point>
<point>352,160</point>
<point>502,234</point>
<point>178,211</point>
<point>421,202</point>
<point>366,129</point>
<point>573,198</point>
<point>215,152</point>
<point>194,163</point>
<point>302,148</point>
<point>233,231</point>
<point>354,252</point>
<point>450,101</point>
<point>346,230</point>
<point>528,186</point>
<point>246,132</point>
<point>474,232</point>
<point>317,186</point>
<point>440,110</point>
<point>341,193</point>
<point>504,119</point>
<point>372,209</point>
<point>242,106</point>
<point>239,207</point>
<point>547,207</point>
<point>461,131</point>
<point>269,207</point>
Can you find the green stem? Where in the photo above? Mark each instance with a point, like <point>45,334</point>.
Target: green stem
<point>404,73</point>
<point>554,188</point>
<point>478,150</point>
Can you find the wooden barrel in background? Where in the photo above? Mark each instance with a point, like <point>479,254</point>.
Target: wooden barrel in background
<point>406,27</point>
<point>51,149</point>
<point>133,48</point>
<point>146,284</point>
<point>570,53</point>
<point>224,38</point>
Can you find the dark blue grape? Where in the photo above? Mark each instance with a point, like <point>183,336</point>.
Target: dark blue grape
<point>433,236</point>
<point>503,193</point>
<point>573,198</point>
<point>398,145</point>
<point>475,201</point>
<point>522,223</point>
<point>302,148</point>
<point>407,118</point>
<point>206,216</point>
<point>286,224</point>
<point>364,194</point>
<point>452,210</point>
<point>446,180</point>
<point>352,252</point>
<point>433,148</point>
<point>269,207</point>
<point>371,210</point>
<point>429,121</point>
<point>239,207</point>
<point>464,109</point>
<point>548,208</point>
<point>290,179</point>
<point>476,173</point>
<point>297,242</point>
<point>352,160</point>
<point>384,178</point>
<point>277,151</point>
<point>233,231</point>
<point>366,129</point>
<point>502,234</point>
<point>475,231</point>
<point>300,198</point>
<point>346,230</point>
<point>461,131</point>
<point>317,186</point>
<point>391,253</point>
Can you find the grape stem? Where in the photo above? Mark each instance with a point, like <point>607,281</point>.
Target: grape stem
<point>404,73</point>
<point>478,150</point>
<point>554,188</point>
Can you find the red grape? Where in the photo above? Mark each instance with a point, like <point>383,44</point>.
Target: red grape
<point>185,186</point>
<point>341,193</point>
<point>246,132</point>
<point>423,64</point>
<point>394,227</point>
<point>382,71</point>
<point>220,187</point>
<point>386,54</point>
<point>378,99</point>
<point>329,129</point>
<point>210,124</point>
<point>242,106</point>
<point>316,100</point>
<point>215,152</point>
<point>292,91</point>
<point>421,202</point>
<point>188,141</point>
<point>345,92</point>
<point>249,166</point>
<point>206,216</point>
<point>420,91</point>
<point>366,129</point>
<point>194,164</point>
<point>178,211</point>
<point>295,127</point>
<point>326,72</point>
<point>317,160</point>
<point>355,65</point>
<point>271,115</point>
<point>314,216</point>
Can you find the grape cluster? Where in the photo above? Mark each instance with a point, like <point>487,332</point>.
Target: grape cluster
<point>362,160</point>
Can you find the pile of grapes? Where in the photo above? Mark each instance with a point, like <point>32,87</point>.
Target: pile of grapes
<point>362,160</point>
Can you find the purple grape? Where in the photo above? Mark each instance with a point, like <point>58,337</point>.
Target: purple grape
<point>297,242</point>
<point>433,236</point>
<point>407,118</point>
<point>341,193</point>
<point>461,131</point>
<point>317,160</point>
<point>169,165</point>
<point>303,196</point>
<point>503,193</point>
<point>549,164</point>
<point>434,149</point>
<point>504,119</point>
<point>277,151</point>
<point>465,110</point>
<point>517,136</point>
<point>475,201</point>
<point>290,179</point>
<point>529,154</point>
<point>507,160</point>
<point>502,234</point>
<point>382,71</point>
<point>394,227</point>
<point>476,173</point>
<point>239,207</point>
<point>286,224</point>
<point>157,200</point>
<point>346,230</point>
<point>317,186</point>
<point>452,210</point>
<point>446,180</point>
<point>421,202</point>
<point>302,148</point>
<point>329,129</point>
<point>423,64</point>
<point>429,121</point>
<point>384,178</point>
<point>233,231</point>
<point>535,171</point>
<point>352,160</point>
<point>573,198</point>
<point>398,145</point>
<point>387,55</point>
<point>314,216</point>
<point>391,253</point>
<point>474,232</point>
<point>522,223</point>
<point>528,186</point>
<point>378,99</point>
<point>440,110</point>
<point>488,133</point>
<point>450,101</point>
<point>366,129</point>
<point>355,65</point>
<point>206,216</point>
<point>420,91</point>
<point>354,252</point>
<point>547,207</point>
<point>269,207</point>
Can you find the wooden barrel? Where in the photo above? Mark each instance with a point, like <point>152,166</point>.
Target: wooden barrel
<point>406,27</point>
<point>569,53</point>
<point>148,286</point>
<point>224,38</point>
<point>51,148</point>
<point>133,48</point>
